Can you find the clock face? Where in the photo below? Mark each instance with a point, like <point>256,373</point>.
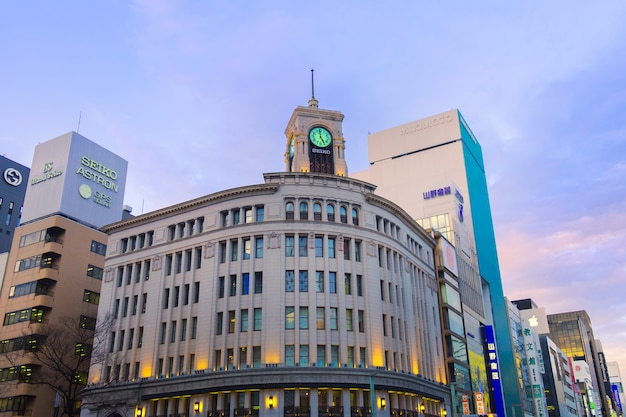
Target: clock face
<point>320,137</point>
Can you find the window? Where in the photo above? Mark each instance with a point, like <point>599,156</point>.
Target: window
<point>321,355</point>
<point>258,318</point>
<point>290,353</point>
<point>176,296</point>
<point>357,250</point>
<point>304,211</point>
<point>332,319</point>
<point>304,318</point>
<point>289,246</point>
<point>359,285</point>
<point>140,338</point>
<point>163,329</point>
<point>183,330</point>
<point>289,209</point>
<point>330,212</point>
<point>246,248</point>
<point>186,294</point>
<point>258,282</point>
<point>166,298</point>
<point>221,252</point>
<point>134,305</point>
<point>319,281</point>
<point>260,213</point>
<point>247,215</point>
<point>244,320</point>
<point>234,248</point>
<point>94,272</point>
<point>331,247</point>
<point>196,292</point>
<point>173,332</point>
<point>224,218</point>
<point>317,211</point>
<point>258,243</point>
<point>304,355</point>
<point>168,264</point>
<point>343,214</point>
<point>144,302</point>
<point>233,286</point>
<point>194,327</point>
<point>131,336</point>
<point>236,216</point>
<point>302,245</point>
<point>319,246</point>
<point>245,283</point>
<point>290,318</point>
<point>289,281</point>
<point>231,321</point>
<point>188,260</point>
<point>304,281</point>
<point>125,309</point>
<point>91,297</point>
<point>349,326</point>
<point>220,287</point>
<point>219,323</point>
<point>179,262</point>
<point>198,257</point>
<point>355,217</point>
<point>99,248</point>
<point>320,322</point>
<point>332,282</point>
<point>348,284</point>
<point>361,321</point>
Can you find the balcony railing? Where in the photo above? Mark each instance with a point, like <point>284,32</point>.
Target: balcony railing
<point>296,411</point>
<point>360,411</point>
<point>326,411</point>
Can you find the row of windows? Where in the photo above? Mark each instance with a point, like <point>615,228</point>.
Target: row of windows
<point>244,321</point>
<point>321,356</point>
<point>317,242</point>
<point>182,229</point>
<point>388,293</point>
<point>32,314</point>
<point>38,287</point>
<point>122,341</point>
<point>174,262</point>
<point>52,234</point>
<point>139,241</point>
<point>242,215</point>
<point>141,270</point>
<point>178,297</point>
<point>246,249</point>
<point>28,343</point>
<point>320,319</point>
<point>244,285</point>
<point>133,307</point>
<point>22,373</point>
<point>400,327</point>
<point>387,227</point>
<point>320,282</point>
<point>176,334</point>
<point>317,212</point>
<point>117,373</point>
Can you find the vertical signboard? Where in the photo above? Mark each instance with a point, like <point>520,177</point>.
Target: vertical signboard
<point>534,359</point>
<point>494,370</point>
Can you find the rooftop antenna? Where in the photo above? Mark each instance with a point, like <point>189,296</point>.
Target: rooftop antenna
<point>79,116</point>
<point>313,102</point>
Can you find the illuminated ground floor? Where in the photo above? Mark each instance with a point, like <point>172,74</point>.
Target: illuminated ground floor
<point>272,392</point>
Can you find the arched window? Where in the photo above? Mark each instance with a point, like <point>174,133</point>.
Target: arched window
<point>343,214</point>
<point>355,217</point>
<point>317,211</point>
<point>330,212</point>
<point>289,210</point>
<point>304,211</point>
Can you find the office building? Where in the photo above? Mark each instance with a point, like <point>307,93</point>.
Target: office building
<point>12,191</point>
<point>50,295</point>
<point>433,168</point>
<point>573,333</point>
<point>305,295</point>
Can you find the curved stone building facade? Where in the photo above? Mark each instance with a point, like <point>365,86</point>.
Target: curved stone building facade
<point>307,295</point>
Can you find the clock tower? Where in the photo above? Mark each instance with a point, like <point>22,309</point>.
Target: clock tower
<point>315,141</point>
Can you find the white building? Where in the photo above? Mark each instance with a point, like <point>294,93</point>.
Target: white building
<point>306,295</point>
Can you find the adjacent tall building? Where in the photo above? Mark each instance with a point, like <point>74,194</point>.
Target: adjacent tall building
<point>305,295</point>
<point>50,295</point>
<point>12,191</point>
<point>433,168</point>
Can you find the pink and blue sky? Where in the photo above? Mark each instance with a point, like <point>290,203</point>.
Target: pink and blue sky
<point>196,96</point>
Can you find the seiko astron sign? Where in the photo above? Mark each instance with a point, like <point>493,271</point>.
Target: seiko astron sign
<point>74,176</point>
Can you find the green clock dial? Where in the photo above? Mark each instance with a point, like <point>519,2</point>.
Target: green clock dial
<point>320,137</point>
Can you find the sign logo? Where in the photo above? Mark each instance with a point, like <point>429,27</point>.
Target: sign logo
<point>84,191</point>
<point>47,167</point>
<point>12,177</point>
<point>533,322</point>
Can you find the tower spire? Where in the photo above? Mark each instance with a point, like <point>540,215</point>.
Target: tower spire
<point>313,101</point>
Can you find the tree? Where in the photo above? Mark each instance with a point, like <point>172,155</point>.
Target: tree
<point>63,357</point>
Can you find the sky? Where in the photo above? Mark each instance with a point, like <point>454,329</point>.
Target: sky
<point>196,95</point>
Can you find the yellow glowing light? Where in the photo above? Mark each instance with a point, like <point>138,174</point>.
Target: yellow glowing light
<point>146,371</point>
